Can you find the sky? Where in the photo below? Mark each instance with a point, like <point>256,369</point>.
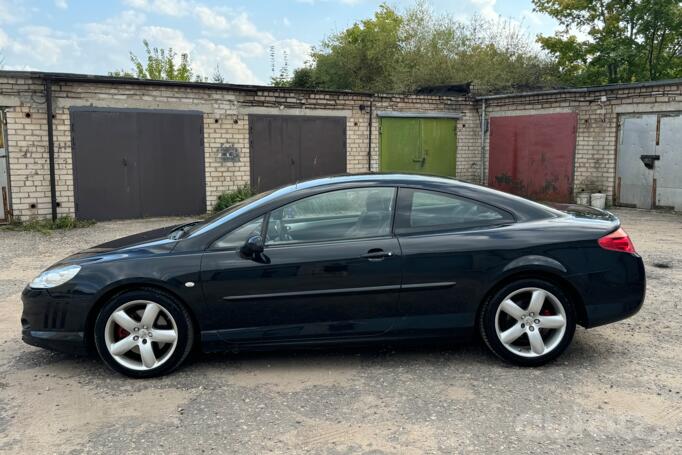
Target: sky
<point>95,37</point>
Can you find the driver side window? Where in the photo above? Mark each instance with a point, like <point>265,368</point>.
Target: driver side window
<point>336,215</point>
<point>237,237</point>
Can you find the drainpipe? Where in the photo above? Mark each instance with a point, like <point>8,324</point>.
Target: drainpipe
<point>369,149</point>
<point>483,142</point>
<point>50,147</point>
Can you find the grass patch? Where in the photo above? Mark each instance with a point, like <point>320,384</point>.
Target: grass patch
<point>229,198</point>
<point>46,226</point>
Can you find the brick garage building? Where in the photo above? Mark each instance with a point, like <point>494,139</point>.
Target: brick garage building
<point>225,112</point>
<point>614,126</point>
<point>94,118</point>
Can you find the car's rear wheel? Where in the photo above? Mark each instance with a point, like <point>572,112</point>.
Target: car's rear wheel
<point>528,322</point>
<point>143,333</point>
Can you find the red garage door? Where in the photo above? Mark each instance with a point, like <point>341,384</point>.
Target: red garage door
<point>533,155</point>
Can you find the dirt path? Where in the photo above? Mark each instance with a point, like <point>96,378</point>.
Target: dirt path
<point>617,389</point>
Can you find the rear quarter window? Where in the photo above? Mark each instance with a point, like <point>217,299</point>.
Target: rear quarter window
<point>423,211</point>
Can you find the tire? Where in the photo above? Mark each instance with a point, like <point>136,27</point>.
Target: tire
<point>510,331</point>
<point>131,345</point>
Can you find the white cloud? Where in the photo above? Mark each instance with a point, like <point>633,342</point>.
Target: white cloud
<point>172,7</point>
<point>115,30</point>
<point>227,38</point>
<point>486,8</point>
<point>61,4</point>
<point>139,4</point>
<point>250,49</point>
<point>222,20</point>
<point>41,44</point>
<point>244,27</point>
<point>176,8</point>
<point>298,52</point>
<point>238,24</point>
<point>11,11</point>
<point>209,19</point>
<point>164,37</point>
<point>344,2</point>
<point>207,55</point>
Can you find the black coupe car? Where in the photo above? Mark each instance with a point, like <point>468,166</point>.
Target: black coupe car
<point>358,258</point>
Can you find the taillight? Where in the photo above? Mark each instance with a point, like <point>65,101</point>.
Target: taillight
<point>617,241</point>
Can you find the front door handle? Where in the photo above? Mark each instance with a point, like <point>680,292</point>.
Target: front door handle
<point>377,254</point>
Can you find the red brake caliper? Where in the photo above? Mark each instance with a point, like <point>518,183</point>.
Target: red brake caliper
<point>546,312</point>
<point>121,333</point>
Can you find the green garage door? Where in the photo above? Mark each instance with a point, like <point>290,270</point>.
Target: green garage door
<point>422,145</point>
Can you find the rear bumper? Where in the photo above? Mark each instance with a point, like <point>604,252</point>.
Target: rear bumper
<point>615,294</point>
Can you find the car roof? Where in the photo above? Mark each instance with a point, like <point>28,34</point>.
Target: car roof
<point>374,177</point>
<point>523,209</point>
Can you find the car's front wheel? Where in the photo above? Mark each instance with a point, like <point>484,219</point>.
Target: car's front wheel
<point>528,322</point>
<point>143,333</point>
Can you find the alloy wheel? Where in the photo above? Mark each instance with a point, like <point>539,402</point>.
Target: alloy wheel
<point>530,322</point>
<point>141,335</point>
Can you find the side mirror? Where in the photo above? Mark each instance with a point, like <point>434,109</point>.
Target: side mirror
<point>253,247</point>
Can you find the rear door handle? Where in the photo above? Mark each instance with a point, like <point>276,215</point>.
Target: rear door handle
<point>377,254</point>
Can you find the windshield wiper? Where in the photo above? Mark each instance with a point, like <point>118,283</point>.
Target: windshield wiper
<point>179,231</point>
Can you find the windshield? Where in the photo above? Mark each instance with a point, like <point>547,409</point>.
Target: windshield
<point>223,213</point>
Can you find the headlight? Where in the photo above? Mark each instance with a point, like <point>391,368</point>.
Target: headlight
<point>54,277</point>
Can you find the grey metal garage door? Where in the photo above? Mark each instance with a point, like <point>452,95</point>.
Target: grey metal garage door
<point>287,148</point>
<point>650,161</point>
<point>137,163</point>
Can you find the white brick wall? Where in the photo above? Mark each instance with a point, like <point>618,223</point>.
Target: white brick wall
<point>226,122</point>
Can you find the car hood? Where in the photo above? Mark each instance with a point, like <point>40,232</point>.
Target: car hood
<point>148,242</point>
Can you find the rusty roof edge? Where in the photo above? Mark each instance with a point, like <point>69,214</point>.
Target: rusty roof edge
<point>101,79</point>
<point>586,89</point>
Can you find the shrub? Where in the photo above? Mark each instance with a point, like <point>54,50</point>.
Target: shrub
<point>45,226</point>
<point>229,198</point>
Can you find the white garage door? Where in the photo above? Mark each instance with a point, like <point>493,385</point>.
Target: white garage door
<point>649,172</point>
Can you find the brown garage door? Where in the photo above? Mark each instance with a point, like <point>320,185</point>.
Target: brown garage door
<point>533,155</point>
<point>137,163</point>
<point>286,148</point>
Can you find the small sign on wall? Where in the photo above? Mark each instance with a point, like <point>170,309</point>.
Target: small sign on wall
<point>228,153</point>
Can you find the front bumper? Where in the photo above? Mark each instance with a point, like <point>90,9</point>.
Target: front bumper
<point>68,342</point>
<point>54,321</point>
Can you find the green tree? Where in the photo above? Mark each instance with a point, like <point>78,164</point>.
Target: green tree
<point>393,52</point>
<point>160,64</point>
<point>626,40</point>
<point>365,56</point>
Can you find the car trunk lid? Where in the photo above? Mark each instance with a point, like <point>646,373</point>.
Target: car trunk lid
<point>586,212</point>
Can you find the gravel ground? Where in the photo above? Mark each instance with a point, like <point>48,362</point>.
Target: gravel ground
<point>618,388</point>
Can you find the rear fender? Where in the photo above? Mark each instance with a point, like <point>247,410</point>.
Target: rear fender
<point>533,262</point>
